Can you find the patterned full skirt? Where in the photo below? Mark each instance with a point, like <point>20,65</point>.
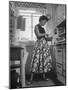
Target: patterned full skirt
<point>41,58</point>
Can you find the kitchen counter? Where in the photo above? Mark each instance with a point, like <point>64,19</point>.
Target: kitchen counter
<point>21,47</point>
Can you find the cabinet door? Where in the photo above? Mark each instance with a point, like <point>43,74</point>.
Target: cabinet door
<point>64,56</point>
<point>61,78</point>
<point>59,56</point>
<point>15,53</point>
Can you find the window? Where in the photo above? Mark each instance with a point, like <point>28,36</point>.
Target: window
<point>27,22</point>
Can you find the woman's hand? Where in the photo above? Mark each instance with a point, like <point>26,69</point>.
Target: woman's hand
<point>49,38</point>
<point>46,35</point>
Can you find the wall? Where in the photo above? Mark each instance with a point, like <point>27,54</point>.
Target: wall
<point>57,13</point>
<point>60,14</point>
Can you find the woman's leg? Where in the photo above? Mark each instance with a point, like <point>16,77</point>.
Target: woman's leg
<point>31,78</point>
<point>44,77</point>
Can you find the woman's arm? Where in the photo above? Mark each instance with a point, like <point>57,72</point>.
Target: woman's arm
<point>42,34</point>
<point>38,33</point>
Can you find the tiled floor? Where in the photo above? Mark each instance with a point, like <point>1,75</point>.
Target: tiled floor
<point>41,83</point>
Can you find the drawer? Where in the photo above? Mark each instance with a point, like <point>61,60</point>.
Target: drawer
<point>59,55</point>
<point>59,68</point>
<point>59,61</point>
<point>59,50</point>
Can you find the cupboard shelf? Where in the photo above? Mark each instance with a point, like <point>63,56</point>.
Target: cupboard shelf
<point>61,41</point>
<point>60,58</point>
<point>62,34</point>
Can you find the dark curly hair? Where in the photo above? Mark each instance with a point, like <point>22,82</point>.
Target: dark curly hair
<point>43,18</point>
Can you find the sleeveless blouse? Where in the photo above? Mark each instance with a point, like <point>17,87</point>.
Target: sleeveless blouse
<point>41,30</point>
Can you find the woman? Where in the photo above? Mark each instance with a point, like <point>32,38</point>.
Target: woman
<point>41,58</point>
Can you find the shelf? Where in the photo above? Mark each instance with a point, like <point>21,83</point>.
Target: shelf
<point>61,41</point>
<point>61,37</point>
<point>62,34</point>
<point>15,66</point>
<point>14,69</point>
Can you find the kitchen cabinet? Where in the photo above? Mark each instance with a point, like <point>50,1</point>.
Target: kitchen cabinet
<point>19,55</point>
<point>61,53</point>
<point>15,67</point>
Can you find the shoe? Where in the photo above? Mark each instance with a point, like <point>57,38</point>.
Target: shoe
<point>29,82</point>
<point>46,79</point>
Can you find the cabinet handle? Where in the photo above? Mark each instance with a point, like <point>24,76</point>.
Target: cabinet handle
<point>59,50</point>
<point>59,66</point>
